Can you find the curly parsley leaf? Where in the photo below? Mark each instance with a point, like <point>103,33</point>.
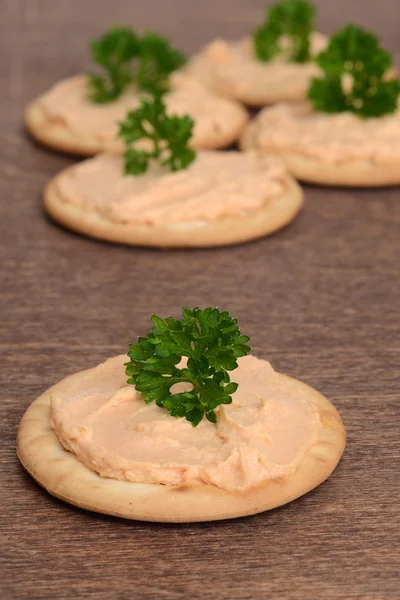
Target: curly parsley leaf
<point>355,76</point>
<point>157,60</point>
<point>293,19</point>
<point>127,58</point>
<point>211,342</point>
<point>114,51</point>
<point>169,137</point>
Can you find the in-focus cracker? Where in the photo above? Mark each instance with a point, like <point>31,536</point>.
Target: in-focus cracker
<point>63,476</point>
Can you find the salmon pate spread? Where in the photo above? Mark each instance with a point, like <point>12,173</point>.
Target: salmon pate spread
<point>329,138</point>
<point>215,185</point>
<point>262,435</point>
<point>232,68</point>
<point>68,103</point>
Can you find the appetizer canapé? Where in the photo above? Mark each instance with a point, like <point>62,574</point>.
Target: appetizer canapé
<point>178,440</point>
<point>348,133</point>
<point>275,64</point>
<point>161,193</point>
<point>80,114</point>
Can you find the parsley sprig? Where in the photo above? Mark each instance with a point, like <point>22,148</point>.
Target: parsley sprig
<point>127,58</point>
<point>291,18</point>
<point>157,60</point>
<point>114,52</point>
<point>355,76</point>
<point>210,340</point>
<point>169,137</point>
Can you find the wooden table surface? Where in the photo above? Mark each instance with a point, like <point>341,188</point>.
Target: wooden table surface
<point>320,300</point>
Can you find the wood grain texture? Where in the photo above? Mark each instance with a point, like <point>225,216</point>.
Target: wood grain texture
<point>320,299</point>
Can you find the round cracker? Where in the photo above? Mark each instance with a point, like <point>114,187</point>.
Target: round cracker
<point>354,173</point>
<point>56,135</point>
<point>275,214</point>
<point>284,90</point>
<point>63,476</point>
<point>290,86</point>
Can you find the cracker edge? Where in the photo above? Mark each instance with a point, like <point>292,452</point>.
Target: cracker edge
<point>64,477</point>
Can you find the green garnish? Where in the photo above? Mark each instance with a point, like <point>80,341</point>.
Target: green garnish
<point>210,340</point>
<point>156,62</point>
<point>114,51</point>
<point>355,76</point>
<point>169,137</point>
<point>293,19</point>
<point>127,58</point>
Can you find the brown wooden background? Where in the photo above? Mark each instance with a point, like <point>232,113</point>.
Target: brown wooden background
<point>320,299</point>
